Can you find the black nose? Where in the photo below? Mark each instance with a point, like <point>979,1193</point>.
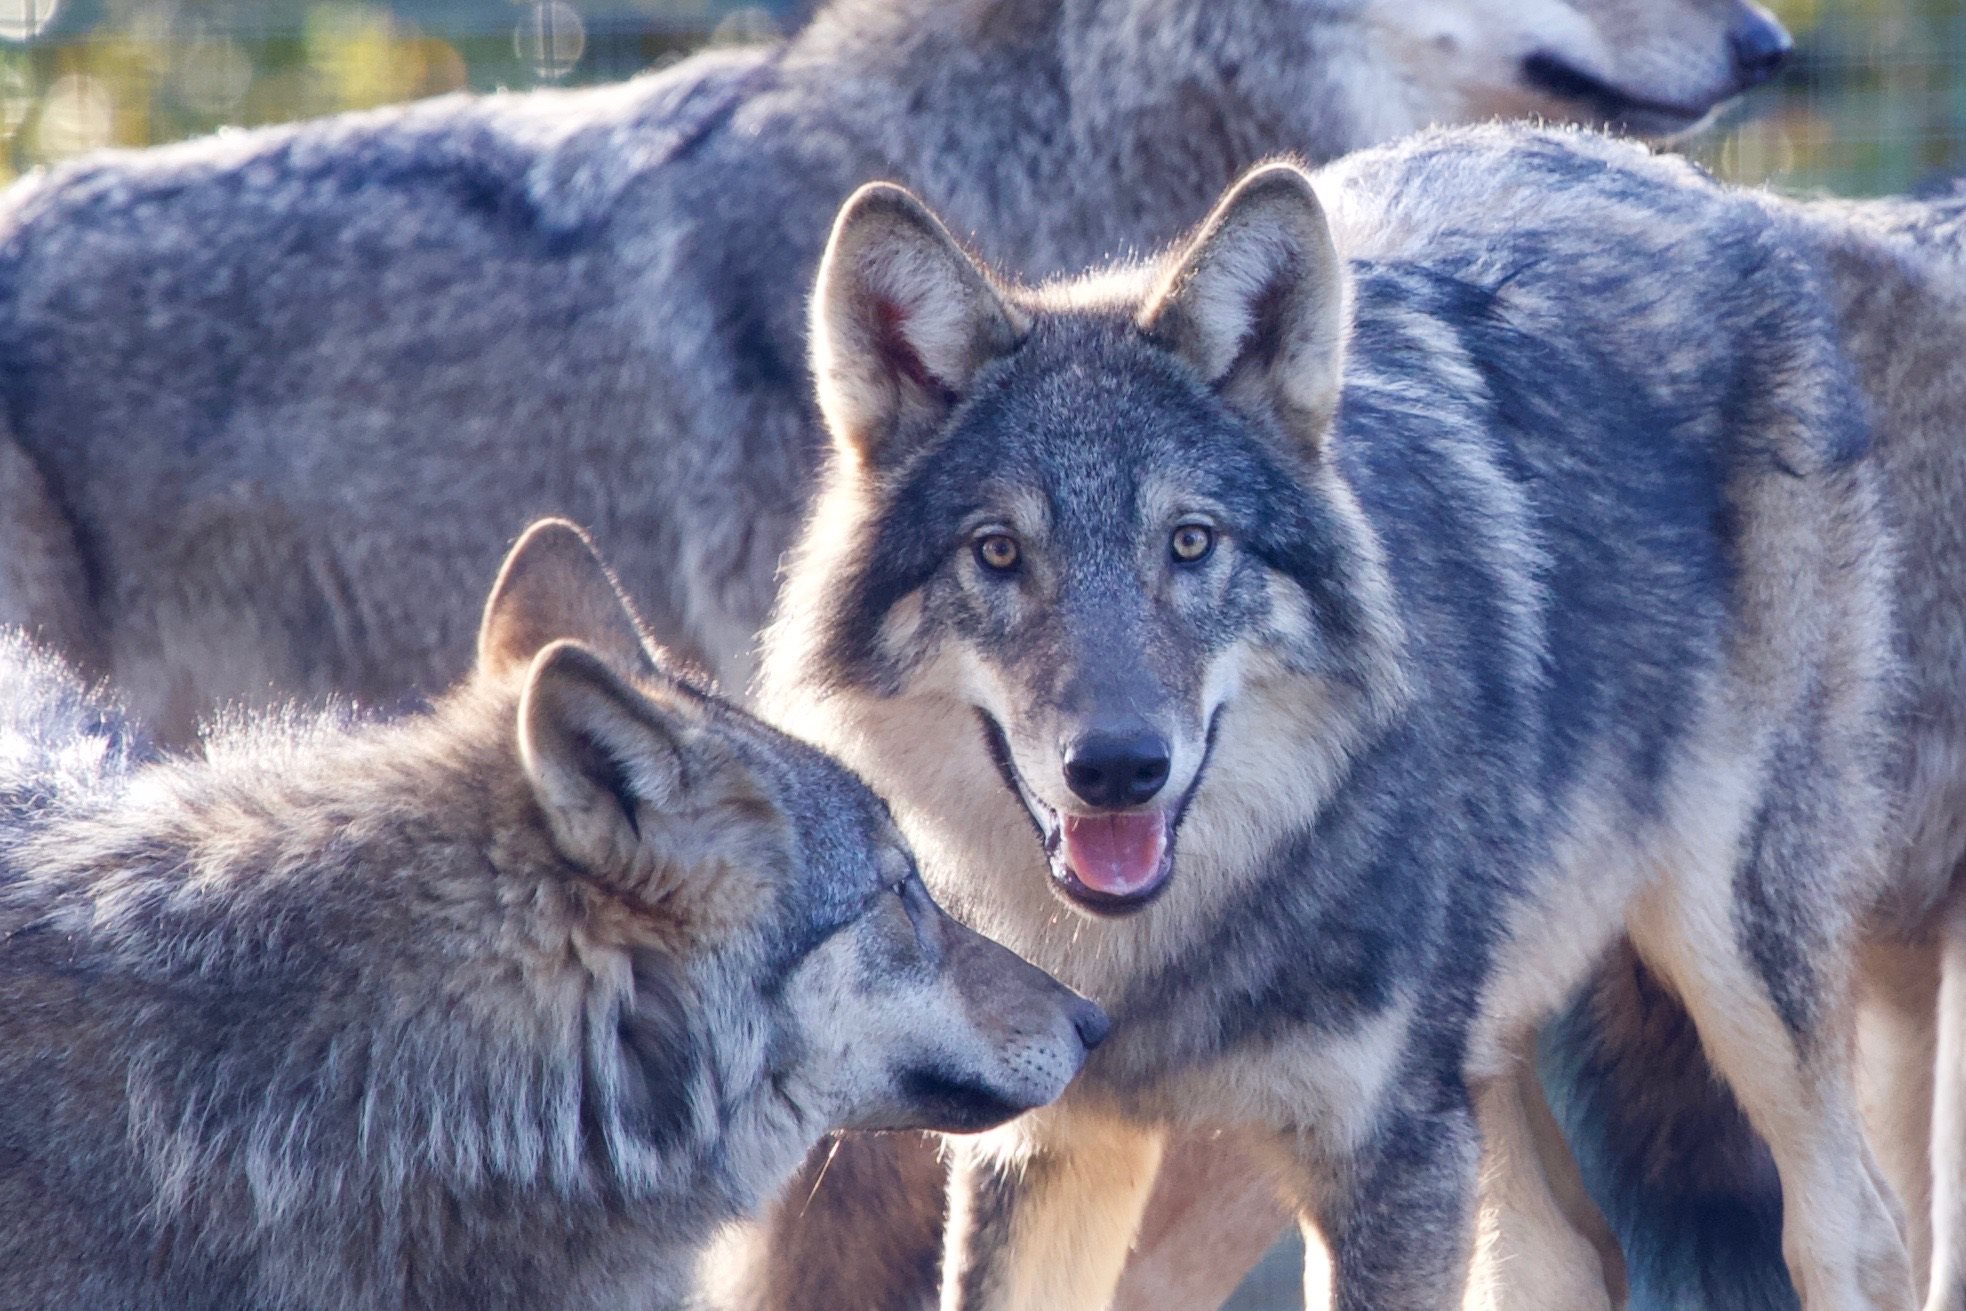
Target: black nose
<point>1761,47</point>
<point>1091,1022</point>
<point>1116,770</point>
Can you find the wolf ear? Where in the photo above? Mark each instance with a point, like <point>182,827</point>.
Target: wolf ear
<point>901,323</point>
<point>553,586</point>
<point>1256,303</point>
<point>608,762</point>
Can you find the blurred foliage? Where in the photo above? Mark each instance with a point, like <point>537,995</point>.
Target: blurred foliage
<point>76,75</point>
<point>1874,102</point>
<point>1876,99</point>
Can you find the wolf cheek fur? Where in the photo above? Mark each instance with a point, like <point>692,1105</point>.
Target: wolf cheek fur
<point>510,1004</point>
<point>1522,627</point>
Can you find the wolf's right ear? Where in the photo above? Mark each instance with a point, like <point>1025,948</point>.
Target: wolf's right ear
<point>901,323</point>
<point>553,586</point>
<point>1257,303</point>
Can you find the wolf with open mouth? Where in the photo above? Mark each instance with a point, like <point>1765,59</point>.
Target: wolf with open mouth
<point>1422,576</point>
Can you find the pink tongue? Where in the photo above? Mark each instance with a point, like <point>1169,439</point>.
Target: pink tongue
<point>1115,854</point>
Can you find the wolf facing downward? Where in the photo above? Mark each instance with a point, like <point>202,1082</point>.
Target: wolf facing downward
<point>511,1004</point>
<point>1321,644</point>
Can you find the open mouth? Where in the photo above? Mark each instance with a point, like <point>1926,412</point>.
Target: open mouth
<point>1609,103</point>
<point>1109,864</point>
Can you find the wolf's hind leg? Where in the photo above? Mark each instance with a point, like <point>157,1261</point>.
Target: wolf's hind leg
<point>1041,1214</point>
<point>1897,1042</point>
<point>1764,974</point>
<point>1948,1141</point>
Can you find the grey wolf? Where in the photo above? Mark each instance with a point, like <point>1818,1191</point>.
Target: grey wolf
<point>512,1003</point>
<point>278,400</point>
<point>1322,644</point>
<point>1682,1175</point>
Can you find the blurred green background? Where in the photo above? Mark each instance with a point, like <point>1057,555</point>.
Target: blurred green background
<point>1875,102</point>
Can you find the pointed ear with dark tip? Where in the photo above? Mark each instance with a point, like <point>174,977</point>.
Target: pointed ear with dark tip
<point>901,323</point>
<point>553,586</point>
<point>605,760</point>
<point>1256,303</point>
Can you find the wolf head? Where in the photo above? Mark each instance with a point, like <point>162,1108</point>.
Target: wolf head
<point>759,878</point>
<point>1654,67</point>
<point>1331,76</point>
<point>1086,544</point>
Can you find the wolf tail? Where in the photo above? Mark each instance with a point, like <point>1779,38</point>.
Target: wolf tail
<point>1687,1186</point>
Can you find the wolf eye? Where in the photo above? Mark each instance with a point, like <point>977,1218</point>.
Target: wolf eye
<point>1192,542</point>
<point>998,552</point>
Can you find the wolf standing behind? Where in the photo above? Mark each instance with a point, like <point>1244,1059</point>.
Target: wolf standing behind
<point>276,401</point>
<point>1680,1175</point>
<point>509,1005</point>
<point>1360,636</point>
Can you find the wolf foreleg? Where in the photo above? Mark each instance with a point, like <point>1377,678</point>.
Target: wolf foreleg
<point>1041,1214</point>
<point>1897,1046</point>
<point>1396,1215</point>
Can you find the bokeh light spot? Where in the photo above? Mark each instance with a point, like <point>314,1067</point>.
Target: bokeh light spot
<point>23,20</point>
<point>551,38</point>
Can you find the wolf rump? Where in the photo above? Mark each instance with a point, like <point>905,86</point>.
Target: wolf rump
<point>1446,614</point>
<point>277,401</point>
<point>511,1004</point>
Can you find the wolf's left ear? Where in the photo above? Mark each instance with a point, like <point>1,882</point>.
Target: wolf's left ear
<point>554,586</point>
<point>1256,303</point>
<point>901,323</point>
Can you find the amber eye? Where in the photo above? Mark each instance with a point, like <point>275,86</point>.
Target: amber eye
<point>997,552</point>
<point>1192,542</point>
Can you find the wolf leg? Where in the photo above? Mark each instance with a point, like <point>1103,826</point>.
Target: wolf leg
<point>1396,1214</point>
<point>1775,1021</point>
<point>1540,1245</point>
<point>1948,1143</point>
<point>1897,1038</point>
<point>859,1226</point>
<point>1041,1214</point>
<point>1684,1180</point>
<point>1213,1214</point>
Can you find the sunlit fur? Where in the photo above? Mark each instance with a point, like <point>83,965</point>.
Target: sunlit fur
<point>1573,623</point>
<point>510,1004</point>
